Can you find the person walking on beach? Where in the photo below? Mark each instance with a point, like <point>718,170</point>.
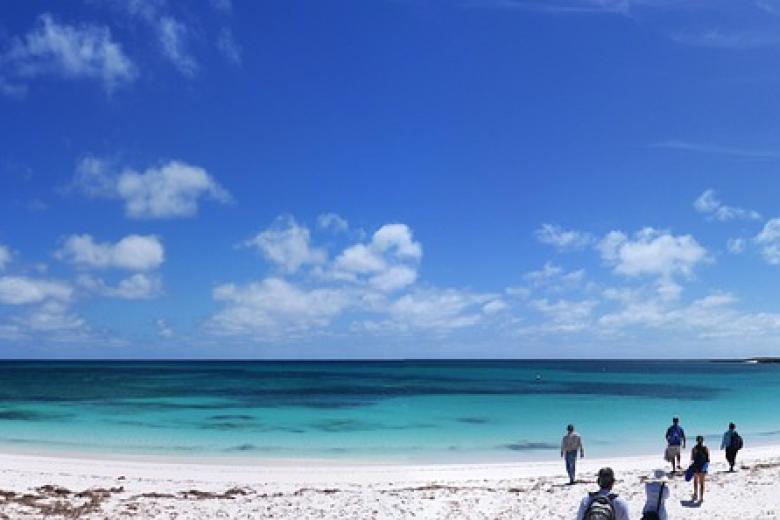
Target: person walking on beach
<point>570,445</point>
<point>732,443</point>
<point>657,492</point>
<point>700,461</point>
<point>675,437</point>
<point>603,504</point>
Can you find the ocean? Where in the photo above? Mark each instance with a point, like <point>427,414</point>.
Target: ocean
<point>378,411</point>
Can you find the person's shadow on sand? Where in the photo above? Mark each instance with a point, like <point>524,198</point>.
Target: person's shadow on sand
<point>690,503</point>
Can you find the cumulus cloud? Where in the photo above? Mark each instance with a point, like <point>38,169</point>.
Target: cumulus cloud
<point>332,222</point>
<point>394,277</point>
<point>387,262</point>
<point>709,204</point>
<point>769,241</point>
<point>562,239</point>
<point>651,252</point>
<point>274,307</point>
<point>133,252</point>
<point>22,290</point>
<point>54,318</point>
<point>5,256</point>
<point>139,286</point>
<point>60,50</point>
<point>288,245</point>
<point>172,190</point>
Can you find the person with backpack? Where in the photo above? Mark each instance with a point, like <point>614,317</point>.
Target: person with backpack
<point>570,445</point>
<point>732,443</point>
<point>603,504</point>
<point>675,437</point>
<point>700,462</point>
<point>657,492</point>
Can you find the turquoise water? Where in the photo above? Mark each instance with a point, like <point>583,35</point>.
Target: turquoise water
<point>458,411</point>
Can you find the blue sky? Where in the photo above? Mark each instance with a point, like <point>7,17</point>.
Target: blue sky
<point>428,178</point>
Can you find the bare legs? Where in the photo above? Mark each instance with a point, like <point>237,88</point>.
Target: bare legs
<point>698,486</point>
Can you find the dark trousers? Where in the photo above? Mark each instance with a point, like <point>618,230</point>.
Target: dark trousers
<point>731,456</point>
<point>571,462</point>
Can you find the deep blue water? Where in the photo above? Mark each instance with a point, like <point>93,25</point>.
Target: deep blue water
<point>379,410</point>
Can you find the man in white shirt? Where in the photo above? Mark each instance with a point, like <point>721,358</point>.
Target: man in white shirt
<point>594,505</point>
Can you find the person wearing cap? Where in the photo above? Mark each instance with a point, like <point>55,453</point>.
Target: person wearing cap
<point>675,436</point>
<point>570,445</point>
<point>657,492</point>
<point>604,496</point>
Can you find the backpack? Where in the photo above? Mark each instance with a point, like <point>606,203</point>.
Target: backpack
<point>674,436</point>
<point>654,515</point>
<point>736,441</point>
<point>600,507</point>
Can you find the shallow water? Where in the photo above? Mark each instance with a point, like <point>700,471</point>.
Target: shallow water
<point>382,411</point>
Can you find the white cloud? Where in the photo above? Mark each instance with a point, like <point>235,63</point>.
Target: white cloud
<point>769,241</point>
<point>274,307</point>
<point>288,245</point>
<point>93,178</point>
<point>163,329</point>
<point>139,286</point>
<point>393,278</point>
<point>227,45</point>
<point>519,292</point>
<point>668,289</point>
<point>494,306</point>
<point>133,252</point>
<point>564,315</point>
<point>22,290</point>
<point>333,222</point>
<point>436,310</point>
<point>709,204</point>
<point>397,239</point>
<point>172,190</point>
<point>5,256</point>
<point>388,262</point>
<point>53,320</point>
<point>359,258</point>
<point>555,277</point>
<point>173,36</point>
<point>712,316</point>
<point>67,51</point>
<point>736,245</point>
<point>562,239</point>
<point>651,252</point>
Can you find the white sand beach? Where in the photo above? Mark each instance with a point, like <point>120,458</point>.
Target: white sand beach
<point>35,487</point>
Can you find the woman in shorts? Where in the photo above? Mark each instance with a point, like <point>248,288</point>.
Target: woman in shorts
<point>700,461</point>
